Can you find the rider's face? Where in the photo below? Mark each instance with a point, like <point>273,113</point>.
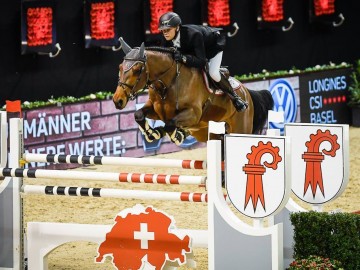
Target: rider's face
<point>170,33</point>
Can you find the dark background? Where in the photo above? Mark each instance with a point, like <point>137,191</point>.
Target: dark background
<point>78,71</point>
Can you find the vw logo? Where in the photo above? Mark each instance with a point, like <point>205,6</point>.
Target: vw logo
<point>284,101</point>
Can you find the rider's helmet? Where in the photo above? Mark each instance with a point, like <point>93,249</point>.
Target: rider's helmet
<point>168,20</point>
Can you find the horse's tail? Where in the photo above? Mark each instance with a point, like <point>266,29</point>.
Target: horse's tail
<point>263,101</point>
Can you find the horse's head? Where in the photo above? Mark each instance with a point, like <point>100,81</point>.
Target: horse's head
<point>132,75</point>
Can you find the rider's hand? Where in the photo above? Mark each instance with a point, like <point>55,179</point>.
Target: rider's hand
<point>179,57</point>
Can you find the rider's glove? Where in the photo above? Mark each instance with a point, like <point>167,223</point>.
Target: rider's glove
<point>179,57</point>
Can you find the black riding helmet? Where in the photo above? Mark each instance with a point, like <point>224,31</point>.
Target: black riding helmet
<point>168,20</point>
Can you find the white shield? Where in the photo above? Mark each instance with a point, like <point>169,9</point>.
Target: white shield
<point>319,160</point>
<point>256,170</point>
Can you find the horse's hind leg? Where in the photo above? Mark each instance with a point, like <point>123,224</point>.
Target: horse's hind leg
<point>149,133</point>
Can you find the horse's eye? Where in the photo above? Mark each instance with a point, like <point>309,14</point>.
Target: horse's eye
<point>137,68</point>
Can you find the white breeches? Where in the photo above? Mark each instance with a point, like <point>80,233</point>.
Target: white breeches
<point>214,67</point>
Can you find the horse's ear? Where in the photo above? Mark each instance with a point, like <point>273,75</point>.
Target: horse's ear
<point>125,47</point>
<point>142,51</point>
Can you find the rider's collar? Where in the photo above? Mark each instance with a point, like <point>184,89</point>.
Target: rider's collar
<point>176,40</point>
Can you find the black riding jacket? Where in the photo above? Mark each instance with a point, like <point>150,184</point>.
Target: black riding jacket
<point>198,43</point>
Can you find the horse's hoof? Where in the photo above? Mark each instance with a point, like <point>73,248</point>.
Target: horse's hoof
<point>154,134</point>
<point>147,136</point>
<point>161,131</point>
<point>178,136</point>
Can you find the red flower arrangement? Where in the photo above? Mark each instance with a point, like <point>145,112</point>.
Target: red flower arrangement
<point>39,26</point>
<point>324,7</point>
<point>314,263</point>
<point>218,12</point>
<point>157,8</point>
<point>102,20</point>
<point>272,10</point>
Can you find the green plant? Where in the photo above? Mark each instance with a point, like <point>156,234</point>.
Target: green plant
<point>354,87</point>
<point>265,74</point>
<point>315,263</point>
<point>329,235</point>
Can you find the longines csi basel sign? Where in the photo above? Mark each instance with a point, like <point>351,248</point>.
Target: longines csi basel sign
<point>324,97</point>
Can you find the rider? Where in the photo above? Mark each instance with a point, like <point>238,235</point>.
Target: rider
<point>195,44</point>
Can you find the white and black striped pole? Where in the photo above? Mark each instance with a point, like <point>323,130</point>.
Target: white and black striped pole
<point>115,193</point>
<point>124,161</point>
<point>105,176</point>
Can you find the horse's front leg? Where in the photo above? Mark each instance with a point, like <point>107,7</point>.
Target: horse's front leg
<point>149,133</point>
<point>176,134</point>
<point>177,127</point>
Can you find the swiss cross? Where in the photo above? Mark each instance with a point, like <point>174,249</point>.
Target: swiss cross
<point>144,236</point>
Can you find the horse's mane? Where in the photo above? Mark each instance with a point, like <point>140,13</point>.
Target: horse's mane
<point>166,50</point>
<point>134,54</point>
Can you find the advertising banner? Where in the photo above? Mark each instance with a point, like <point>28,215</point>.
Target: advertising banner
<point>324,97</point>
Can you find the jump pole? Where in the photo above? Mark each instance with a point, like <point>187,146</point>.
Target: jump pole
<point>123,161</point>
<point>104,176</point>
<point>115,193</point>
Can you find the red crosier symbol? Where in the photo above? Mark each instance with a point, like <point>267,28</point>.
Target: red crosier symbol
<point>158,8</point>
<point>272,10</point>
<point>313,158</point>
<point>254,171</point>
<point>218,12</point>
<point>323,7</point>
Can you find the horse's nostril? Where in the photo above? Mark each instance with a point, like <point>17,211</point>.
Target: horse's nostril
<point>118,104</point>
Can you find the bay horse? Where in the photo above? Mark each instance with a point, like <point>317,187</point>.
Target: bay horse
<point>179,96</point>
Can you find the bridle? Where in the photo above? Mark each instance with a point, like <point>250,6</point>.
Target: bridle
<point>134,94</point>
<point>144,68</point>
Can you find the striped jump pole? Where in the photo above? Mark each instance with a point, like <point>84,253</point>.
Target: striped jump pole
<point>105,176</point>
<point>127,161</point>
<point>115,193</point>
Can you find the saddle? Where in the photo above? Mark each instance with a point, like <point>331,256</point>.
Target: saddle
<point>212,87</point>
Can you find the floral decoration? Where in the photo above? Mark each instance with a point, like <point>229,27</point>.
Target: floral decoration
<point>158,8</point>
<point>39,26</point>
<point>272,10</point>
<point>102,20</point>
<point>324,7</point>
<point>265,74</point>
<point>315,263</point>
<point>218,12</point>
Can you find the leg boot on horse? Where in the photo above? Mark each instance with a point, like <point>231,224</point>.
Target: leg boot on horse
<point>149,133</point>
<point>239,104</point>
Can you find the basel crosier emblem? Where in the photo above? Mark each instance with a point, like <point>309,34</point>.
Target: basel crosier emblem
<point>313,158</point>
<point>284,101</point>
<point>255,170</point>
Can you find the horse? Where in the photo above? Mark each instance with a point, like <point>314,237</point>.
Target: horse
<point>179,96</point>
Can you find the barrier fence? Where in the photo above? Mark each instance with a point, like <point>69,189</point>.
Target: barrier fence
<point>231,242</point>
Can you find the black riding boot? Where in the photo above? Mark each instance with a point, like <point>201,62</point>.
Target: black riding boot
<point>239,104</point>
